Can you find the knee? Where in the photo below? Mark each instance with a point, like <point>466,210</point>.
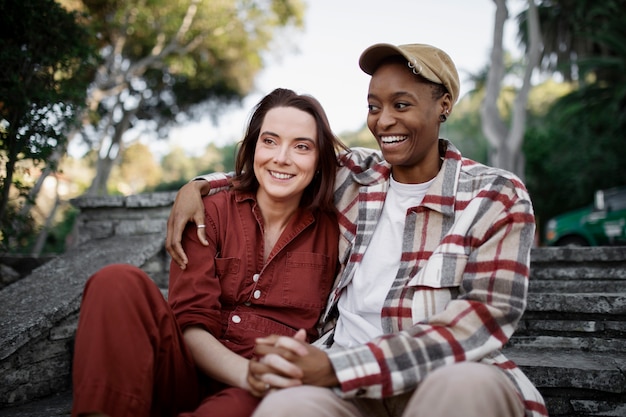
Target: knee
<point>273,405</point>
<point>469,387</point>
<point>464,374</point>
<point>459,375</point>
<point>303,401</point>
<point>115,279</point>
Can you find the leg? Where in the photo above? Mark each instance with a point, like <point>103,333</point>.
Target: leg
<point>305,401</point>
<point>466,389</point>
<point>229,402</point>
<point>130,358</point>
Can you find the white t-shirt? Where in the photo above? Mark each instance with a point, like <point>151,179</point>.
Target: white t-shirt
<point>361,302</point>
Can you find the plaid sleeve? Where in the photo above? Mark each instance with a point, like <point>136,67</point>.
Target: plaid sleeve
<point>219,181</point>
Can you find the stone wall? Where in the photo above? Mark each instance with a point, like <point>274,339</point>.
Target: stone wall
<point>39,312</point>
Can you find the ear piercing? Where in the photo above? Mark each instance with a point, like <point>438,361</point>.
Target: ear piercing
<point>444,117</point>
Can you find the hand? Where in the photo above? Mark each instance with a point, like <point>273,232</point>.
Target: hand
<point>286,354</point>
<point>262,377</point>
<point>187,207</point>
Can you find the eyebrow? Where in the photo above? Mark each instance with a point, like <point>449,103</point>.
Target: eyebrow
<point>394,95</point>
<point>305,139</point>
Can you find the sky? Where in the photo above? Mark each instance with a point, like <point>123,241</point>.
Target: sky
<point>322,59</point>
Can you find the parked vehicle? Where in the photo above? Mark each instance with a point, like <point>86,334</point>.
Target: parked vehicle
<point>599,224</point>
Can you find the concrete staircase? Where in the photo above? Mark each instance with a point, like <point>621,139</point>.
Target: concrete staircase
<point>571,341</point>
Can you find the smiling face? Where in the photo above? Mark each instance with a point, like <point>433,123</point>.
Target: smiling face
<point>404,118</point>
<point>286,155</point>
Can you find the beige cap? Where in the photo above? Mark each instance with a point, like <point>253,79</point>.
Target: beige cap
<point>425,60</point>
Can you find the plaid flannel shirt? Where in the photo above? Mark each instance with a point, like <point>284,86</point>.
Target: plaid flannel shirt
<point>462,283</point>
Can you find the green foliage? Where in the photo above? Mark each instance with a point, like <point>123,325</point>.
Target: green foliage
<point>360,138</point>
<point>579,146</point>
<point>463,127</point>
<point>185,53</point>
<point>137,170</point>
<point>166,62</point>
<point>178,168</point>
<point>46,66</point>
<point>58,236</point>
<point>569,31</point>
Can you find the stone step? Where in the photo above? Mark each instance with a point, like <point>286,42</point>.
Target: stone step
<point>611,304</point>
<point>605,372</point>
<point>557,344</point>
<point>577,286</point>
<point>572,326</point>
<point>596,269</point>
<point>56,405</point>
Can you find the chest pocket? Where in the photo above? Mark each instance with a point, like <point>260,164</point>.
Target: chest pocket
<point>306,279</point>
<point>436,284</point>
<point>227,271</point>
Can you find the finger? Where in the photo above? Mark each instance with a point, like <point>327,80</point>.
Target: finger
<point>268,340</point>
<point>175,249</point>
<point>201,230</point>
<point>300,335</point>
<point>281,365</point>
<point>257,387</point>
<point>256,369</point>
<point>292,345</point>
<point>278,381</point>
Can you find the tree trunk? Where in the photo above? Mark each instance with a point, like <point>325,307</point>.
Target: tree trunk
<point>8,181</point>
<point>54,160</point>
<point>105,164</point>
<point>506,143</point>
<point>45,230</point>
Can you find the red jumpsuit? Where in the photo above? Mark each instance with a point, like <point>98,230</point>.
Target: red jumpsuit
<point>130,357</point>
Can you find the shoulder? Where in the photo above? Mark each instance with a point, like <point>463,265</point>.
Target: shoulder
<point>224,200</point>
<point>475,177</point>
<point>363,165</point>
<point>480,177</point>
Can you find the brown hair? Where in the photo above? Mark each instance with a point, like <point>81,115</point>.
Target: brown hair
<point>319,193</point>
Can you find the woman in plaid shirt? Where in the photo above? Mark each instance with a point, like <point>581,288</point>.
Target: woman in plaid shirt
<point>435,253</point>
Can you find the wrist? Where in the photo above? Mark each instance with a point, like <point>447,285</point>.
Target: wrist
<point>202,186</point>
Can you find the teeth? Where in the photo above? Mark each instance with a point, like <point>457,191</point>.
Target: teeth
<point>280,175</point>
<point>392,139</point>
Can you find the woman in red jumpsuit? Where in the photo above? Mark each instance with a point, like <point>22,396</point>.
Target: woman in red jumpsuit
<point>268,268</point>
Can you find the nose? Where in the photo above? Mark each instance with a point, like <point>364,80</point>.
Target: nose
<point>282,155</point>
<point>386,118</point>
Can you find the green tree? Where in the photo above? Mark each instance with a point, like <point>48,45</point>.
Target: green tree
<point>166,61</point>
<point>578,147</point>
<point>177,166</point>
<point>46,66</point>
<point>137,171</point>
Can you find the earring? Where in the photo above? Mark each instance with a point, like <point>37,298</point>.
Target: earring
<point>443,118</point>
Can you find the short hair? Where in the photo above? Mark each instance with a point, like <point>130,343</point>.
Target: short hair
<point>319,193</point>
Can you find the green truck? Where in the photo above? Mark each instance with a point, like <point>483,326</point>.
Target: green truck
<point>602,223</point>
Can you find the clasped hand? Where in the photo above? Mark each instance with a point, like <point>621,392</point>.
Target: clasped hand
<point>283,362</point>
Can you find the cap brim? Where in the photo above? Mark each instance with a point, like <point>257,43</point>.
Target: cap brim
<point>372,56</point>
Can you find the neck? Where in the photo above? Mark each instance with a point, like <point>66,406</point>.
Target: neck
<point>276,214</point>
<point>416,174</point>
